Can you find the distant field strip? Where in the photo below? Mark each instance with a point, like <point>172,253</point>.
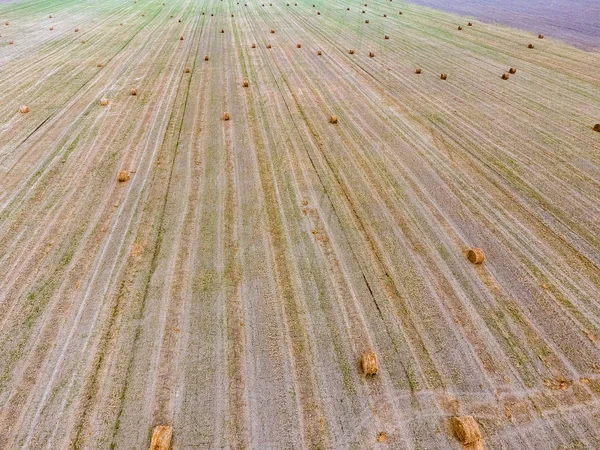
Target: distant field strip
<point>230,286</point>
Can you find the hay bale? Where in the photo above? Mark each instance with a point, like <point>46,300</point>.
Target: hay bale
<point>347,9</point>
<point>24,109</point>
<point>470,24</point>
<point>226,116</point>
<point>161,438</point>
<point>133,91</point>
<point>466,429</point>
<point>103,102</point>
<point>371,54</point>
<point>11,42</point>
<point>206,58</point>
<point>318,13</point>
<point>400,12</point>
<point>530,46</point>
<point>222,30</point>
<point>386,37</point>
<point>272,31</point>
<point>123,176</point>
<point>418,70</point>
<point>253,46</point>
<point>512,70</point>
<point>50,16</point>
<point>51,28</point>
<point>245,83</point>
<point>368,363</point>
<point>299,46</point>
<point>505,76</point>
<point>367,21</point>
<point>181,38</point>
<point>187,70</point>
<point>76,30</point>
<point>351,51</point>
<point>385,15</point>
<point>179,20</point>
<point>99,65</point>
<point>6,24</point>
<point>540,36</point>
<point>319,53</point>
<point>333,119</point>
<point>459,28</point>
<point>268,45</point>
<point>597,127</point>
<point>444,76</point>
<point>476,255</point>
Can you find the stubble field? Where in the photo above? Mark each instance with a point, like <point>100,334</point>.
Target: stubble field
<point>229,287</point>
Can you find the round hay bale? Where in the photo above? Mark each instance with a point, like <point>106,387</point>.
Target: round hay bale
<point>530,46</point>
<point>540,36</point>
<point>333,119</point>
<point>505,76</point>
<point>103,102</point>
<point>212,15</point>
<point>386,37</point>
<point>512,70</point>
<point>268,45</point>
<point>318,13</point>
<point>597,127</point>
<point>272,31</point>
<point>368,363</point>
<point>181,38</point>
<point>222,30</point>
<point>351,51</point>
<point>6,23</point>
<point>123,176</point>
<point>51,28</point>
<point>99,65</point>
<point>367,21</point>
<point>371,54</point>
<point>232,15</point>
<point>319,53</point>
<point>299,46</point>
<point>11,42</point>
<point>76,30</point>
<point>82,41</point>
<point>245,83</point>
<point>179,20</point>
<point>459,28</point>
<point>470,24</point>
<point>476,255</point>
<point>385,15</point>
<point>253,46</point>
<point>363,11</point>
<point>226,116</point>
<point>121,24</point>
<point>187,70</point>
<point>400,12</point>
<point>24,109</point>
<point>134,91</point>
<point>347,9</point>
<point>444,76</point>
<point>50,16</point>
<point>466,429</point>
<point>418,70</point>
<point>206,58</point>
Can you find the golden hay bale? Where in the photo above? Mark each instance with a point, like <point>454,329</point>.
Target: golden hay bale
<point>6,24</point>
<point>99,65</point>
<point>466,429</point>
<point>351,51</point>
<point>470,24</point>
<point>222,30</point>
<point>299,46</point>
<point>206,58</point>
<point>11,42</point>
<point>24,109</point>
<point>418,70</point>
<point>161,438</point>
<point>371,54</point>
<point>133,91</point>
<point>103,102</point>
<point>367,21</point>
<point>245,83</point>
<point>459,28</point>
<point>123,176</point>
<point>76,30</point>
<point>368,363</point>
<point>444,76</point>
<point>82,41</point>
<point>50,16</point>
<point>253,46</point>
<point>597,127</point>
<point>272,31</point>
<point>505,76</point>
<point>333,119</point>
<point>51,28</point>
<point>319,53</point>
<point>540,36</point>
<point>226,116</point>
<point>382,435</point>
<point>268,45</point>
<point>386,37</point>
<point>187,70</point>
<point>512,70</point>
<point>476,255</point>
<point>181,38</point>
<point>530,46</point>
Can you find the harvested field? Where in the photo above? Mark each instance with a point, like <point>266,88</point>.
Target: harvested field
<point>229,288</point>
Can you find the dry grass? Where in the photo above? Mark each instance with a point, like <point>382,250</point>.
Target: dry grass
<point>466,429</point>
<point>476,255</point>
<point>161,438</point>
<point>369,364</point>
<point>24,109</point>
<point>123,176</point>
<point>333,119</point>
<point>103,102</point>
